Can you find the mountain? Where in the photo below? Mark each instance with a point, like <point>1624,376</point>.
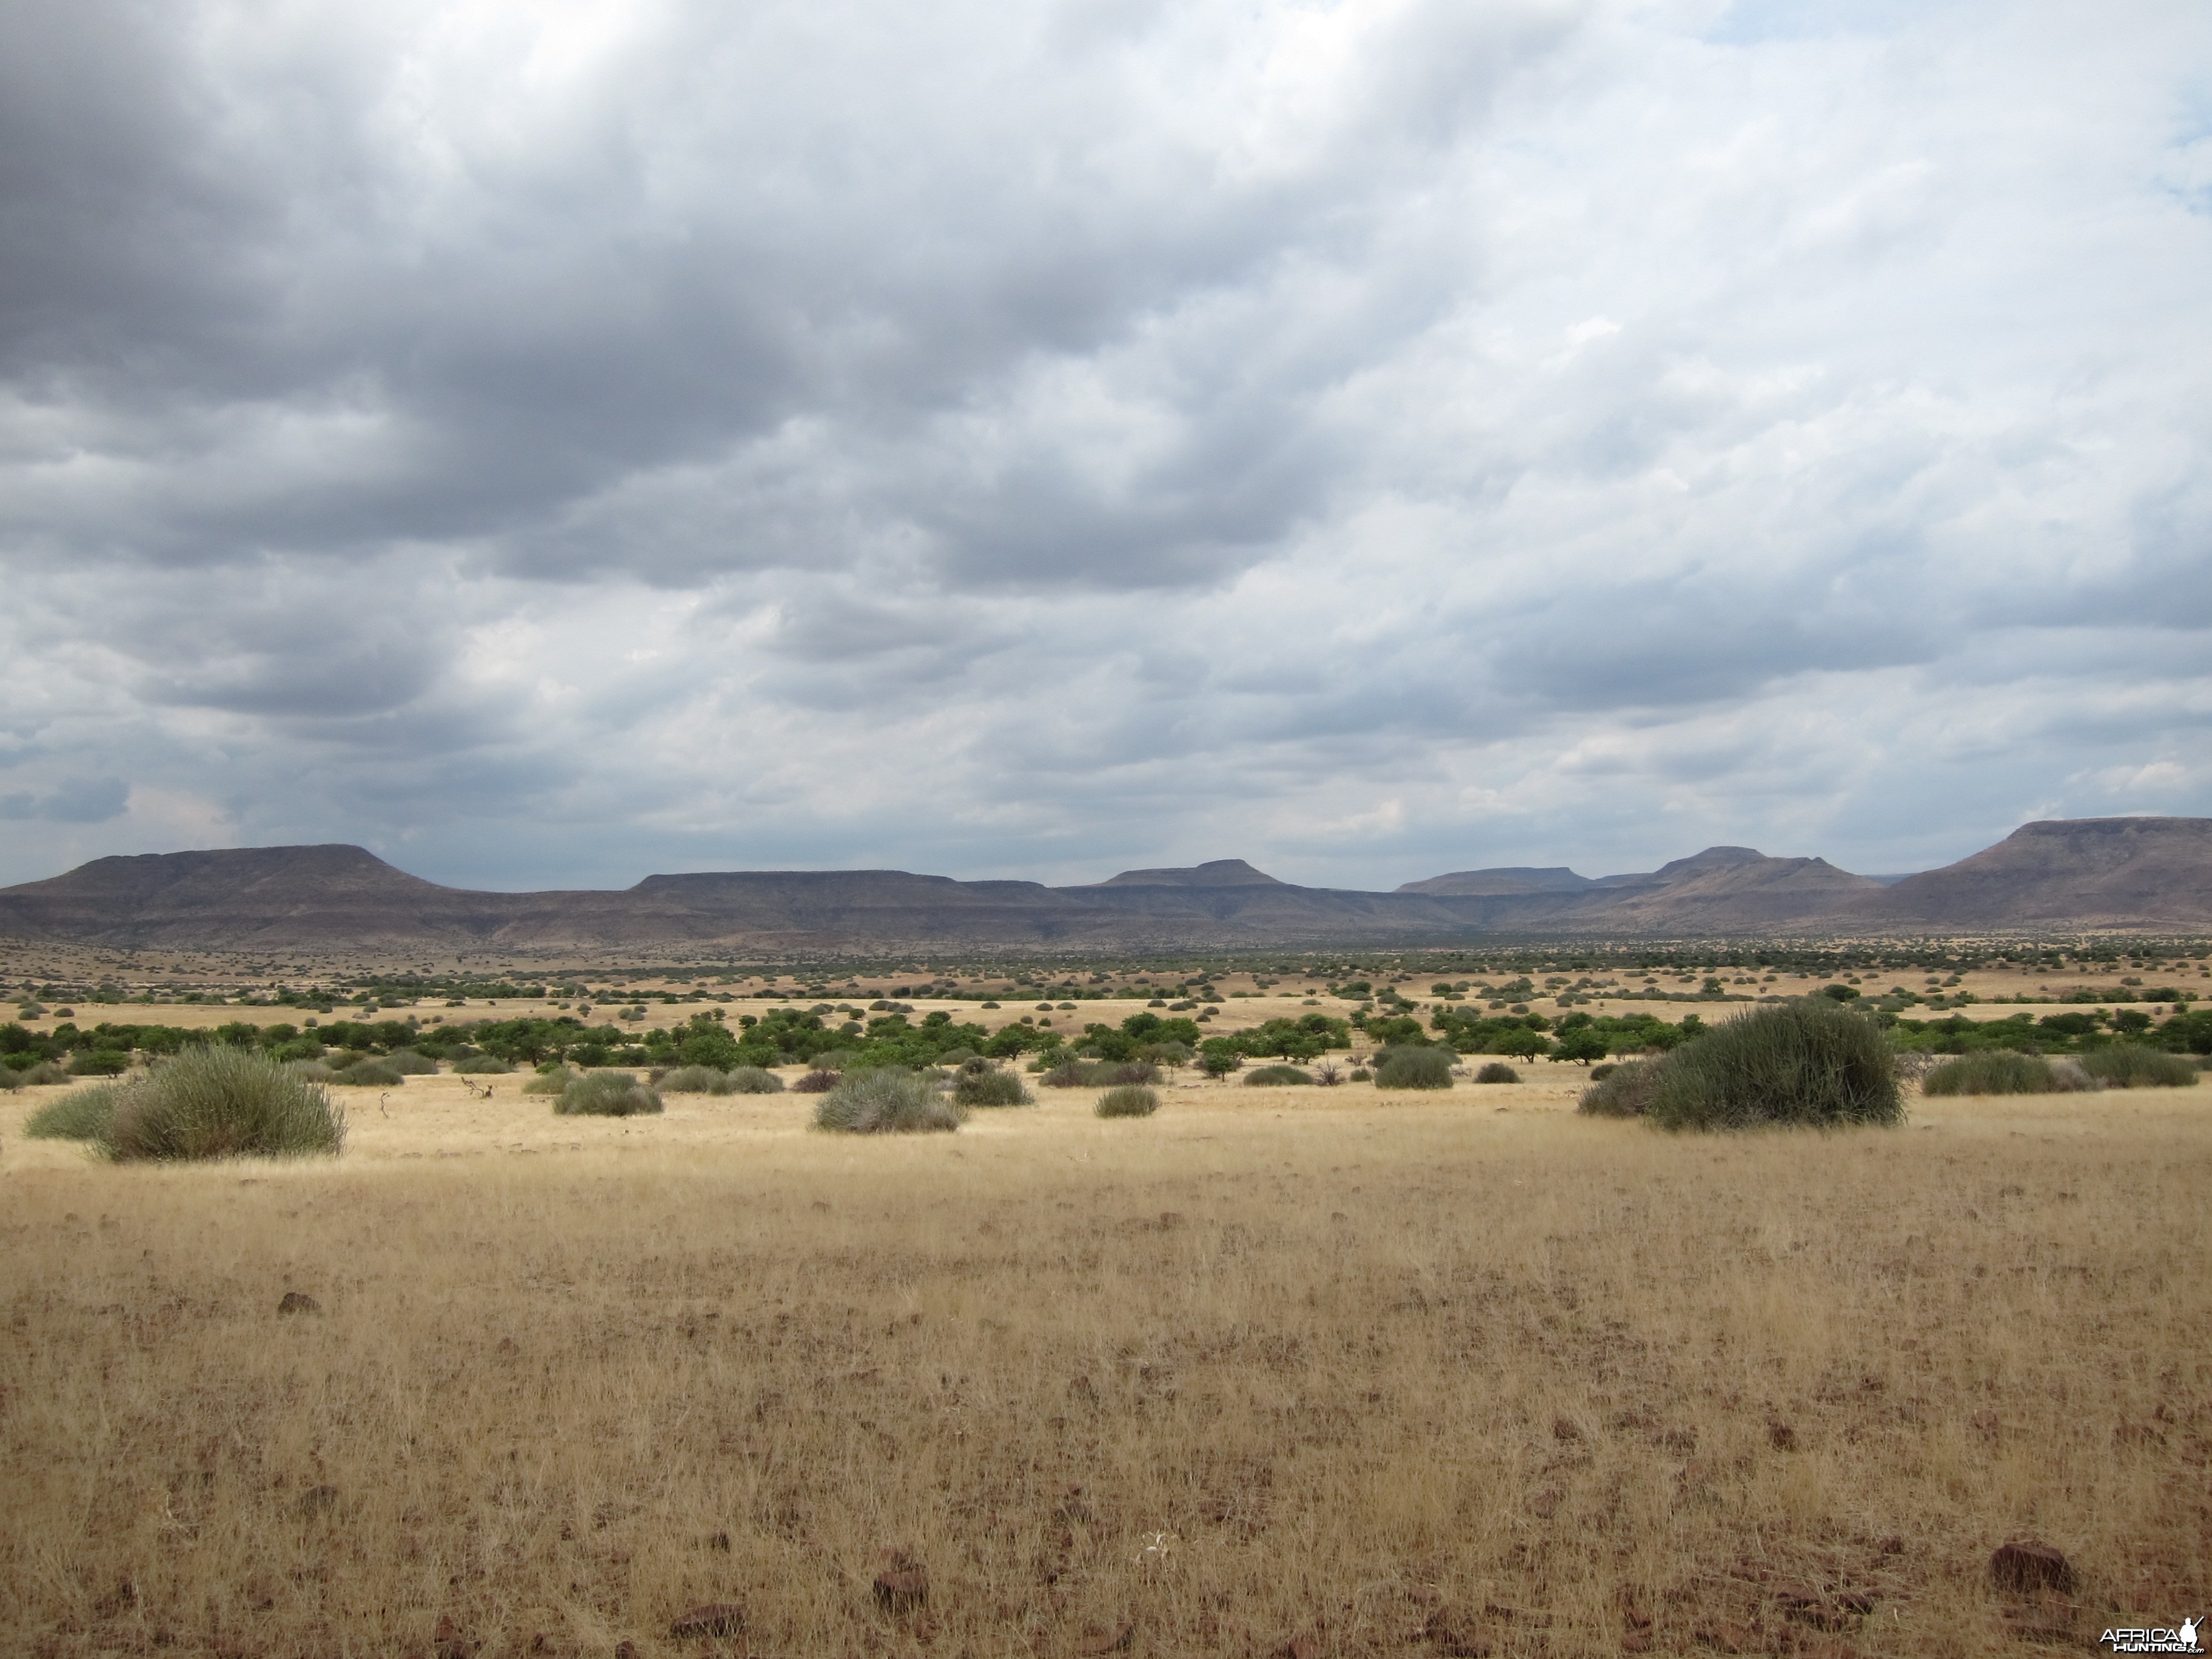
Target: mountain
<point>1511,882</point>
<point>1221,872</point>
<point>2068,872</point>
<point>2141,873</point>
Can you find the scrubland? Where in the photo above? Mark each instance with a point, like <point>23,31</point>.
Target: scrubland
<point>1301,1371</point>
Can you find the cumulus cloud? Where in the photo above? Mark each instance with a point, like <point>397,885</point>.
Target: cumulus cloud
<point>551,442</point>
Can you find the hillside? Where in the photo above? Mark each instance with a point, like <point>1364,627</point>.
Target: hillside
<point>2072,872</point>
<point>2144,874</point>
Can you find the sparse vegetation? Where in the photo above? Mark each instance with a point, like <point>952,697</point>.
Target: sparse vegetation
<point>607,1094</point>
<point>554,1081</point>
<point>219,1102</point>
<point>481,1066</point>
<point>887,1100</point>
<point>1129,1100</point>
<point>1706,1385</point>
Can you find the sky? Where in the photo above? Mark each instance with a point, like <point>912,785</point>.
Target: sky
<point>551,441</point>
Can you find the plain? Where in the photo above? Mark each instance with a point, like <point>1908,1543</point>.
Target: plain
<point>1297,1371</point>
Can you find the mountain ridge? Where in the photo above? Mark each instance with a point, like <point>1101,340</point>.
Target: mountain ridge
<point>2140,873</point>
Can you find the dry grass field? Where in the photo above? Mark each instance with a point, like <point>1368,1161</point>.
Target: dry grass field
<point>1306,1372</point>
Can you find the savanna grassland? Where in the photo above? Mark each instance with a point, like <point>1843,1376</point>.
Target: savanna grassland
<point>1276,1371</point>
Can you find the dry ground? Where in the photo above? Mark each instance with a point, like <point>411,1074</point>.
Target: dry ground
<point>1375,1374</point>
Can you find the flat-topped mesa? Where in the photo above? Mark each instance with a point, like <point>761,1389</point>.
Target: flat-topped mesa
<point>1219,872</point>
<point>1505,882</point>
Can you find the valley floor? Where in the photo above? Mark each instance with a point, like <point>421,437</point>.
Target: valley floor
<point>1302,1371</point>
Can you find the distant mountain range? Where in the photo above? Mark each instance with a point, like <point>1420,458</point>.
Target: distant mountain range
<point>2142,873</point>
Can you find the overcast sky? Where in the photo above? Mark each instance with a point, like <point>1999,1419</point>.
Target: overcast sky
<point>548,441</point>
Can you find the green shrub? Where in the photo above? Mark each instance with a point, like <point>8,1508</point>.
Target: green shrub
<point>79,1114</point>
<point>1992,1072</point>
<point>1413,1068</point>
<point>750,1080</point>
<point>2131,1066</point>
<point>692,1080</point>
<point>1625,1090</point>
<point>888,1100</point>
<point>482,1065</point>
<point>99,1062</point>
<point>605,1094</point>
<point>220,1101</point>
<point>1069,1073</point>
<point>1129,1100</point>
<point>816,1082</point>
<point>1275,1076</point>
<point>407,1063</point>
<point>1809,1062</point>
<point>1498,1072</point>
<point>554,1082</point>
<point>368,1075</point>
<point>1360,1074</point>
<point>990,1089</point>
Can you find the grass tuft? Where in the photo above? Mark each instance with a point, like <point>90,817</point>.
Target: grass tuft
<point>1993,1071</point>
<point>692,1080</point>
<point>1810,1063</point>
<point>888,1100</point>
<point>1413,1068</point>
<point>990,1089</point>
<point>606,1094</point>
<point>221,1101</point>
<point>80,1115</point>
<point>1129,1100</point>
<point>750,1080</point>
<point>2131,1066</point>
<point>368,1074</point>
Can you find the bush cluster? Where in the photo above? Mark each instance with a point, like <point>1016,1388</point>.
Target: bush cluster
<point>1275,1076</point>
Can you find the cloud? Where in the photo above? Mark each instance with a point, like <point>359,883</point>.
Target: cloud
<point>1371,438</point>
<point>78,800</point>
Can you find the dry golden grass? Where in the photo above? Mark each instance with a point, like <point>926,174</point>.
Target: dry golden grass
<point>1380,1374</point>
